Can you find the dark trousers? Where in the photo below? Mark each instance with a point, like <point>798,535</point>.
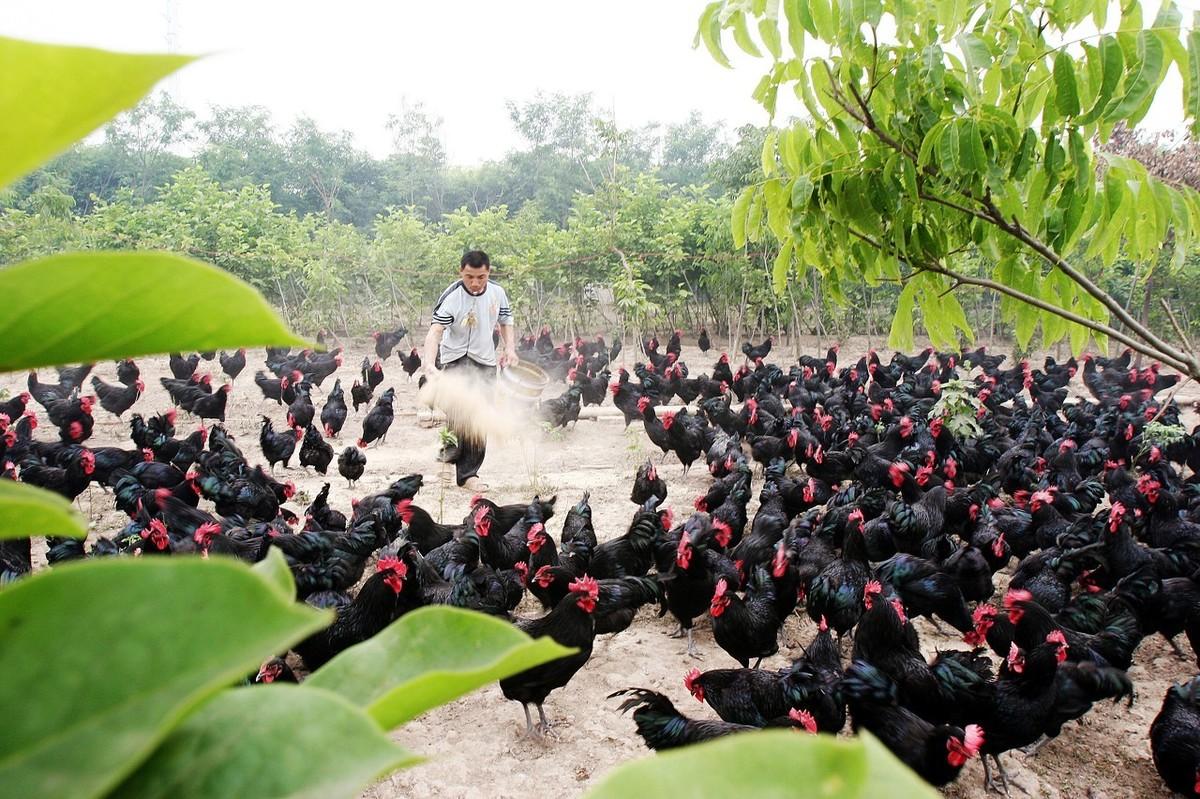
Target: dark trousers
<point>470,451</point>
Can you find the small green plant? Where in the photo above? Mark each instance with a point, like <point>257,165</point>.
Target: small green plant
<point>633,441</point>
<point>1161,435</point>
<point>553,433</point>
<point>958,408</point>
<point>447,438</point>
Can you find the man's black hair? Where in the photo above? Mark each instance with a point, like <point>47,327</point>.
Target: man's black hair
<point>475,259</point>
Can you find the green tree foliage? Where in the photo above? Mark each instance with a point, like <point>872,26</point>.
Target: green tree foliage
<point>944,131</point>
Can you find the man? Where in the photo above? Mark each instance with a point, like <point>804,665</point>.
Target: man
<point>461,338</point>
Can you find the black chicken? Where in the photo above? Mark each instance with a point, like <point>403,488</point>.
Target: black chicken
<point>372,374</point>
<point>386,341</point>
<point>233,365</point>
<point>760,352</point>
<point>663,727</point>
<point>277,447</point>
<point>333,415</point>
<point>301,410</point>
<point>377,422</point>
<point>562,410</point>
<point>117,399</point>
<point>380,601</point>
<point>1175,738</point>
<point>411,363</point>
<point>351,464</point>
<point>361,394</point>
<point>936,752</point>
<point>315,451</point>
<point>570,624</point>
<point>211,406</point>
<point>128,372</point>
<point>746,628</point>
<point>183,368</point>
<point>647,484</point>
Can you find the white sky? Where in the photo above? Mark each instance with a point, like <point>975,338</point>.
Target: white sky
<point>349,64</point>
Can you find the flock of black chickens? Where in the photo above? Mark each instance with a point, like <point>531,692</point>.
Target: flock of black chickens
<point>879,503</point>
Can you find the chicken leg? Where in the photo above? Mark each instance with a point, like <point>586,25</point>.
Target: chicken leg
<point>990,784</point>
<point>691,647</point>
<point>544,724</point>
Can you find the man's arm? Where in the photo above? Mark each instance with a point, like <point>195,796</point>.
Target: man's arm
<point>433,340</point>
<point>509,356</point>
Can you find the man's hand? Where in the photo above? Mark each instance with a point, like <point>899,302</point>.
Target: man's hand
<point>508,358</point>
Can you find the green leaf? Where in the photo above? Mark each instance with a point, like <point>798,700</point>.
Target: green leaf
<point>798,19</point>
<point>709,31</point>
<point>1112,60</point>
<point>1192,98</point>
<point>948,150</point>
<point>766,765</point>
<point>738,216</point>
<point>1079,338</point>
<point>972,155</point>
<point>283,741</point>
<point>782,265</point>
<point>1066,90</point>
<point>1141,84</point>
<point>428,657</point>
<point>908,174</point>
<point>768,30</point>
<point>1027,320</point>
<point>1026,153</point>
<point>105,719</point>
<point>901,335</point>
<point>975,50</point>
<point>802,189</point>
<point>26,510</point>
<point>95,306</point>
<point>822,15</point>
<point>275,571</point>
<point>768,153</point>
<point>741,34</point>
<point>859,11</point>
<point>52,96</point>
<point>775,197</point>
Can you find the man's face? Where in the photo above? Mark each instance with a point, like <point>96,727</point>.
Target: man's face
<point>475,278</point>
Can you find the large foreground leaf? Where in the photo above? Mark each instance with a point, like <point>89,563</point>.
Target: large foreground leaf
<point>92,306</point>
<point>427,658</point>
<point>274,570</point>
<point>26,510</point>
<point>100,659</point>
<point>768,764</point>
<point>52,95</point>
<point>279,741</point>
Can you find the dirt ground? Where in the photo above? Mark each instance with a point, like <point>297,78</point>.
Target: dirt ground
<point>476,745</point>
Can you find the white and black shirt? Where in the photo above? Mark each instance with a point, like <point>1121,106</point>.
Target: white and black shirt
<point>469,321</point>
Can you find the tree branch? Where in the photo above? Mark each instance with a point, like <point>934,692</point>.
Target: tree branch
<point>1187,342</point>
<point>1037,302</point>
<point>1158,348</point>
<point>1017,231</point>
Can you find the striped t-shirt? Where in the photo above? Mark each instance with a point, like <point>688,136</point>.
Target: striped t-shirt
<point>469,322</point>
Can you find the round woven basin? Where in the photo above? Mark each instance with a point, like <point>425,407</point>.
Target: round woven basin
<point>524,382</point>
